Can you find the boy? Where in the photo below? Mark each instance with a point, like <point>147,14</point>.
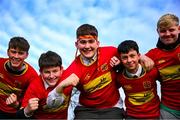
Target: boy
<point>91,73</point>
<point>34,101</point>
<point>15,76</point>
<point>141,99</point>
<point>167,59</point>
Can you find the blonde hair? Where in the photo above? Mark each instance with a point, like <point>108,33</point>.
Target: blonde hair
<point>167,21</point>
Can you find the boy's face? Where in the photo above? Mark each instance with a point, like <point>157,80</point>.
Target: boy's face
<point>130,60</point>
<point>87,47</point>
<point>169,35</point>
<point>51,75</point>
<point>16,57</point>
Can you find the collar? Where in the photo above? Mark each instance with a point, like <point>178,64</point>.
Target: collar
<point>45,84</point>
<point>138,73</point>
<point>16,72</point>
<point>88,61</point>
<point>168,47</point>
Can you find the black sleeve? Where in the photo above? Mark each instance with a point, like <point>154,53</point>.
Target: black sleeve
<point>20,114</point>
<point>118,68</point>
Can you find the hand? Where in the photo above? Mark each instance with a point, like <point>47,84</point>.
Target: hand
<point>114,61</point>
<point>12,100</point>
<point>147,62</point>
<point>71,80</point>
<point>32,106</point>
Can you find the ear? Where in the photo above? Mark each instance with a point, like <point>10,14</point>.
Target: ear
<point>98,43</point>
<point>26,55</point>
<point>39,70</point>
<point>76,44</point>
<point>8,52</point>
<point>62,68</point>
<point>157,30</point>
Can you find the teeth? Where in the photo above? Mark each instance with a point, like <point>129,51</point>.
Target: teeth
<point>15,60</point>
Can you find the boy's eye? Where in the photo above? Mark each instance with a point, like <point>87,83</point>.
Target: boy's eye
<point>91,41</point>
<point>21,53</point>
<point>162,31</point>
<point>12,51</point>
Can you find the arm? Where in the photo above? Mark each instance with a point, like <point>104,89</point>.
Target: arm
<point>114,61</point>
<point>56,97</point>
<point>28,111</point>
<point>116,64</point>
<point>31,107</point>
<point>147,62</point>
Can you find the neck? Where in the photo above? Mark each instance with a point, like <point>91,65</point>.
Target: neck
<point>88,61</point>
<point>13,70</point>
<point>136,72</point>
<point>161,45</point>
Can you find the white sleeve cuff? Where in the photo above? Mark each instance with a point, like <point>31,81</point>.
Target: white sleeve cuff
<point>54,99</point>
<point>27,114</point>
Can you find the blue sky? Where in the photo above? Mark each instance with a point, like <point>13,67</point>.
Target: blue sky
<point>52,24</point>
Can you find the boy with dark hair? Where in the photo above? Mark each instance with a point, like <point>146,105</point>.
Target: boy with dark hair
<point>91,73</point>
<point>15,76</point>
<point>141,99</point>
<point>167,59</point>
<point>34,102</point>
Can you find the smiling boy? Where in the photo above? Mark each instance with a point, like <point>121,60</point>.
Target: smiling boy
<point>139,85</point>
<point>34,102</point>
<point>166,56</point>
<point>15,76</point>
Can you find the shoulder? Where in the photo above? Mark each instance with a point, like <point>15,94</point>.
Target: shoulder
<point>30,69</point>
<point>2,60</point>
<point>36,83</point>
<point>108,47</point>
<point>153,52</point>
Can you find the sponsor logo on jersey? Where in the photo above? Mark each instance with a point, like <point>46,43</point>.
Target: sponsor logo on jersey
<point>161,61</point>
<point>170,73</point>
<point>98,83</point>
<point>141,97</point>
<point>7,90</point>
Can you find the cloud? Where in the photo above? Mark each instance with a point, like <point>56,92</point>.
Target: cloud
<point>51,25</point>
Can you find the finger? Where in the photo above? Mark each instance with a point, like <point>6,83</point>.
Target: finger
<point>7,101</point>
<point>34,104</point>
<point>34,99</point>
<point>13,96</point>
<point>111,64</point>
<point>74,83</point>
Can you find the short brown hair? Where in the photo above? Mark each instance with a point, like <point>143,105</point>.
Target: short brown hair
<point>49,59</point>
<point>167,20</point>
<point>86,29</point>
<point>20,43</point>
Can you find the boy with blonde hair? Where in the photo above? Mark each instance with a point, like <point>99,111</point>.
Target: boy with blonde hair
<point>166,56</point>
